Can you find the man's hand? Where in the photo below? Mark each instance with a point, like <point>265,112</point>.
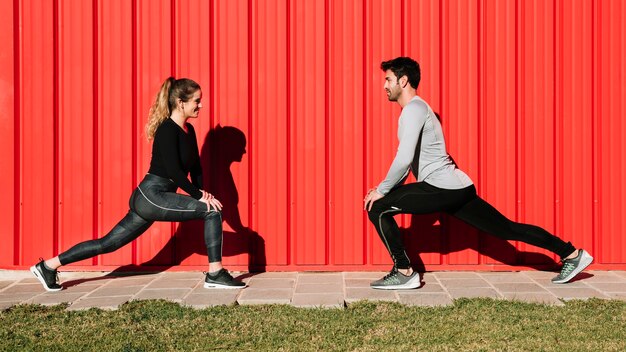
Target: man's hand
<point>371,196</point>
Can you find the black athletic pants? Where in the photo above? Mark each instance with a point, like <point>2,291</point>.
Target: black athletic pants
<point>465,204</point>
<point>155,199</point>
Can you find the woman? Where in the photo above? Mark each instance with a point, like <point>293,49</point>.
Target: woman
<point>174,156</point>
<point>441,187</point>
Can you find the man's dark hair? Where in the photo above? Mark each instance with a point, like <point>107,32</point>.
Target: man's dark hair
<point>404,66</point>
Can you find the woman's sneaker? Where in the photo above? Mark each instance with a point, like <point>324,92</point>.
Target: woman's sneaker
<point>48,278</point>
<point>222,279</point>
<point>571,267</point>
<point>397,281</point>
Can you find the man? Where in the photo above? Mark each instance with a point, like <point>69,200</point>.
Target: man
<point>440,187</point>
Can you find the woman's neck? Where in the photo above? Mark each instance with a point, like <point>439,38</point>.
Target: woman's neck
<point>179,119</point>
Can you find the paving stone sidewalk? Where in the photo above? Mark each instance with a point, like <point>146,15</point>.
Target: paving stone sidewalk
<point>85,290</point>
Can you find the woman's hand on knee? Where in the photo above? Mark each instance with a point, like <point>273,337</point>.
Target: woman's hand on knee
<point>210,200</point>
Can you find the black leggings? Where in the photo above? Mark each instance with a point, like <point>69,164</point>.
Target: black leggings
<point>155,199</point>
<point>465,204</point>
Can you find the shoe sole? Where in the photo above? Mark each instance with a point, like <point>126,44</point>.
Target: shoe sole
<point>35,272</point>
<point>218,286</point>
<point>585,261</point>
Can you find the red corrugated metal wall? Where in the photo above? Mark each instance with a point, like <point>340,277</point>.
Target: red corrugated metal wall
<point>531,94</point>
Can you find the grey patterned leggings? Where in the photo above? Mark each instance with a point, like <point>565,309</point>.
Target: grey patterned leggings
<point>155,199</point>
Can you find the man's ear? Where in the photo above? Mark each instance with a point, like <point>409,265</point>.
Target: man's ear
<point>404,80</point>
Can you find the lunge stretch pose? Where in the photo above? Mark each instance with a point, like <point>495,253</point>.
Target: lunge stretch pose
<point>440,187</point>
<point>174,156</point>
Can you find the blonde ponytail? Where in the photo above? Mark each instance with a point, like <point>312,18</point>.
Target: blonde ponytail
<point>160,110</point>
<point>165,101</point>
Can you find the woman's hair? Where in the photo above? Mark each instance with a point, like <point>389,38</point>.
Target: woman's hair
<point>165,102</point>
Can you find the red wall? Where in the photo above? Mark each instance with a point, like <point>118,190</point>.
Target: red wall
<point>531,95</point>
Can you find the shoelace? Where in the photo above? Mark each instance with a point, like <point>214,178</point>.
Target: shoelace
<point>567,268</point>
<point>391,274</point>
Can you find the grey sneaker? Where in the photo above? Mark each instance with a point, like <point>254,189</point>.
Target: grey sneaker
<point>397,281</point>
<point>571,267</point>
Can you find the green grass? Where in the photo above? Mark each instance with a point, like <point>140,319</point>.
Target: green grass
<point>468,325</point>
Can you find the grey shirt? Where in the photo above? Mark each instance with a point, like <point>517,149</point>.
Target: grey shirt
<point>435,165</point>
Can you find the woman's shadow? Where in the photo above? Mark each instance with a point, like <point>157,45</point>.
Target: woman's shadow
<point>221,148</point>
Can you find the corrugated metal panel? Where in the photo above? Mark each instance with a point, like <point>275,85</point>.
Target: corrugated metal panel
<point>295,126</point>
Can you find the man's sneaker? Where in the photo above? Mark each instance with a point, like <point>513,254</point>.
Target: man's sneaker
<point>397,281</point>
<point>48,278</point>
<point>571,267</point>
<point>222,279</point>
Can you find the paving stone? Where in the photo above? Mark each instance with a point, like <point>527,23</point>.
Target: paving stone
<point>66,275</point>
<point>170,294</point>
<point>80,288</point>
<point>19,296</point>
<point>370,294</point>
<point>519,287</point>
<point>214,298</point>
<point>431,287</point>
<point>7,305</point>
<point>319,288</point>
<point>271,283</point>
<point>106,303</point>
<point>50,299</point>
<point>315,300</point>
<point>185,275</point>
<point>108,291</point>
<point>506,277</point>
<point>575,292</point>
<point>276,275</point>
<point>621,273</point>
<point>5,284</point>
<point>172,283</point>
<point>603,277</point>
<point>426,299</point>
<point>199,290</point>
<point>265,296</point>
<point>23,288</point>
<point>428,276</point>
<point>609,287</point>
<point>29,280</point>
<point>456,275</point>
<point>463,283</point>
<point>319,278</point>
<point>537,275</point>
<point>357,282</point>
<point>374,275</point>
<point>473,292</point>
<point>547,283</point>
<point>134,281</point>
<point>95,282</point>
<point>533,297</point>
<point>619,296</point>
<point>15,275</point>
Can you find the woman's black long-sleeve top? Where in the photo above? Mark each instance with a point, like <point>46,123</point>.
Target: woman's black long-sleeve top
<point>175,155</point>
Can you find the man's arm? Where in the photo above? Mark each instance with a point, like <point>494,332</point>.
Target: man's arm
<point>413,118</point>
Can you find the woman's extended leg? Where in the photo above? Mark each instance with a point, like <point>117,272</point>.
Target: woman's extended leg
<point>128,229</point>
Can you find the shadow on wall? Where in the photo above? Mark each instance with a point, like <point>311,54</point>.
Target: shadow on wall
<point>221,148</point>
<point>426,234</point>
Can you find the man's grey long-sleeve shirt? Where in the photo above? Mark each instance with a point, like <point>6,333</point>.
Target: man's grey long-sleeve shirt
<point>435,165</point>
